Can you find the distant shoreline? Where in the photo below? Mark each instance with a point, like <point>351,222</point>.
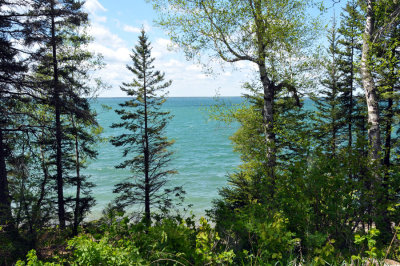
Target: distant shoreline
<point>216,97</point>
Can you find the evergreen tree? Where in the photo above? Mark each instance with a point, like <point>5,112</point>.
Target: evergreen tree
<point>12,92</point>
<point>144,142</point>
<point>78,122</point>
<point>47,20</point>
<point>80,125</point>
<point>349,56</point>
<point>328,116</point>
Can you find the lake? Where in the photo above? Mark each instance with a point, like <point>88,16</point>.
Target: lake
<point>203,152</point>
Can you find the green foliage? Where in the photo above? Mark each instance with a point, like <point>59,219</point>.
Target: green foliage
<point>320,190</point>
<point>325,254</point>
<point>254,233</point>
<point>329,114</point>
<point>221,29</point>
<point>370,249</point>
<point>206,243</point>
<point>169,241</point>
<point>32,260</point>
<point>106,251</point>
<point>11,247</point>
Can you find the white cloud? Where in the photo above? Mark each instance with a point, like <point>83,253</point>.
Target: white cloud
<point>201,76</point>
<point>162,47</point>
<point>100,19</point>
<point>172,63</point>
<point>132,29</point>
<point>120,54</point>
<point>92,6</point>
<point>145,25</point>
<point>164,43</point>
<point>105,37</point>
<point>188,78</point>
<point>194,68</point>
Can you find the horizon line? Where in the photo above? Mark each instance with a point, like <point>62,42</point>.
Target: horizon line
<point>173,96</point>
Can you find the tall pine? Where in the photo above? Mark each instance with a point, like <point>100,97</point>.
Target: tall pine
<point>349,56</point>
<point>12,92</point>
<point>328,121</point>
<point>144,142</point>
<point>47,20</point>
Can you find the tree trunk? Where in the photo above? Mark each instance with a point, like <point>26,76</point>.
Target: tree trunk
<point>350,114</point>
<point>384,199</point>
<point>78,181</point>
<point>146,161</point>
<point>6,220</point>
<point>378,200</point>
<point>388,138</point>
<point>370,88</point>
<point>36,208</point>
<point>268,119</point>
<point>269,94</point>
<point>60,185</point>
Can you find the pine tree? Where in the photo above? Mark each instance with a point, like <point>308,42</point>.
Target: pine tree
<point>12,92</point>
<point>78,122</point>
<point>80,125</point>
<point>144,142</point>
<point>349,55</point>
<point>48,19</point>
<point>328,120</point>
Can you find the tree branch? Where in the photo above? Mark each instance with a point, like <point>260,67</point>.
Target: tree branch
<point>290,88</point>
<point>225,42</point>
<point>388,26</point>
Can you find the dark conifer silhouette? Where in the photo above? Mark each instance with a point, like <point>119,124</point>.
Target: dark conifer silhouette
<point>144,143</point>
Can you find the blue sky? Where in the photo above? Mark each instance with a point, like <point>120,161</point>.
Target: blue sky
<point>115,26</point>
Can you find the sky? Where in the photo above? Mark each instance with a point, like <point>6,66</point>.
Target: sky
<point>115,27</point>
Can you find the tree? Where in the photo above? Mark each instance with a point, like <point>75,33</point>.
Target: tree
<point>12,90</point>
<point>385,65</point>
<point>82,130</point>
<point>381,17</point>
<point>273,35</point>
<point>48,18</point>
<point>144,140</point>
<point>329,119</point>
<point>78,123</point>
<point>349,56</point>
<point>369,84</point>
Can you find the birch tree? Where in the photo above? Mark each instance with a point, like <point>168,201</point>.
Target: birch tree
<point>372,32</point>
<point>270,34</point>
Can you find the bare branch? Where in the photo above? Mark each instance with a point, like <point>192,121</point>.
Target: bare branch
<point>225,42</point>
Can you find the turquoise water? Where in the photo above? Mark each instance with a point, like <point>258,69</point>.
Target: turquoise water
<point>203,152</point>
